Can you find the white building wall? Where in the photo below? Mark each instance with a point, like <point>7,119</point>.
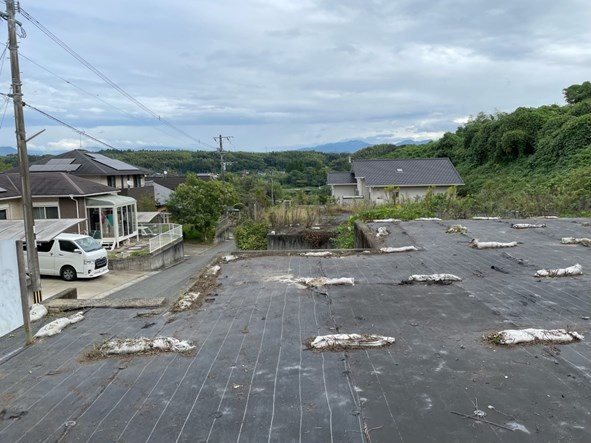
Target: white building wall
<point>379,195</point>
<point>340,191</point>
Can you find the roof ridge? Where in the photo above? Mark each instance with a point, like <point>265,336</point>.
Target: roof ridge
<point>72,182</point>
<point>12,183</point>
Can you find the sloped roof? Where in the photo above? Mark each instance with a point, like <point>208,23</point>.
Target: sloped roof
<point>340,178</point>
<point>45,184</point>
<point>45,230</point>
<point>172,182</point>
<point>407,172</point>
<point>82,162</point>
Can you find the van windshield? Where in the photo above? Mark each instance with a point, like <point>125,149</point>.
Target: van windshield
<point>88,244</point>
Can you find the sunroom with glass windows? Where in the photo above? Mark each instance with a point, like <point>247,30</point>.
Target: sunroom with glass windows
<point>112,218</point>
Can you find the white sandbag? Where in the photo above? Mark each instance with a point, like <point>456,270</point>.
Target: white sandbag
<point>434,278</point>
<point>144,345</point>
<point>350,341</point>
<point>457,229</point>
<point>475,243</point>
<point>389,250</point>
<point>56,326</point>
<point>576,241</point>
<point>324,281</point>
<point>37,312</point>
<point>317,254</point>
<point>382,232</point>
<point>532,335</point>
<point>528,225</point>
<point>386,220</point>
<point>486,218</point>
<point>427,219</point>
<point>229,258</point>
<point>214,270</point>
<point>562,272</point>
<point>186,301</point>
<point>316,282</point>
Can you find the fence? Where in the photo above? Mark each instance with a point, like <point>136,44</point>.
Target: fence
<point>166,237</point>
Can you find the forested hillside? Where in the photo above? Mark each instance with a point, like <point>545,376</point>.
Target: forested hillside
<point>533,160</point>
<point>302,168</point>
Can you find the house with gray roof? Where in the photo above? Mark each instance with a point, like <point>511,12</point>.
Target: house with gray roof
<point>374,180</point>
<point>93,166</point>
<point>105,215</point>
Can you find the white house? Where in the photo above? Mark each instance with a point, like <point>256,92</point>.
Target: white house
<point>373,180</point>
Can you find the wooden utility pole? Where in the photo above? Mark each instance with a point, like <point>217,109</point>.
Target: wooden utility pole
<point>221,139</point>
<point>21,142</point>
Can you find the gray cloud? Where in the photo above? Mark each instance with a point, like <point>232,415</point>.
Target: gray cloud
<point>282,73</point>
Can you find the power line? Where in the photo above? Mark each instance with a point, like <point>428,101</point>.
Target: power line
<point>4,112</point>
<point>90,94</point>
<point>63,123</point>
<point>103,77</point>
<point>70,126</point>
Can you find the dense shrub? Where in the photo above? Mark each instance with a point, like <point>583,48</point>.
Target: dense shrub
<point>251,235</point>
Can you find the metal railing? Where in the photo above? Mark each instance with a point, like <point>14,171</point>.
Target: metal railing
<point>165,238</point>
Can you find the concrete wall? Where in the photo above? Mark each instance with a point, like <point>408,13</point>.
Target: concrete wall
<point>292,242</point>
<point>340,191</point>
<point>165,257</point>
<point>364,237</point>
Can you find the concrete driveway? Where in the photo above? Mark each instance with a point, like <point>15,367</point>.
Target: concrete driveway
<point>93,288</point>
<point>116,281</point>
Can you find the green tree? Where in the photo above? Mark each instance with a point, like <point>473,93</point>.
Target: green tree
<point>201,203</point>
<point>146,203</point>
<point>577,93</point>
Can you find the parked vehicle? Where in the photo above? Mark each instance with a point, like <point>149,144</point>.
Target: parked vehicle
<point>72,256</point>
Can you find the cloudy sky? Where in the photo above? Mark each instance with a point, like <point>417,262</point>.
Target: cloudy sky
<point>278,73</point>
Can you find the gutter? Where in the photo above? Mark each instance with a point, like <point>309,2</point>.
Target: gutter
<point>78,213</point>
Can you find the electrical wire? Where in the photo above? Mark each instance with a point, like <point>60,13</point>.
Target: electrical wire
<point>106,79</point>
<point>7,99</point>
<point>63,123</point>
<point>90,94</point>
<point>2,56</point>
<point>82,133</point>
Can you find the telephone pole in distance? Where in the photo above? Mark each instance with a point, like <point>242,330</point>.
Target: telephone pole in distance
<point>221,139</point>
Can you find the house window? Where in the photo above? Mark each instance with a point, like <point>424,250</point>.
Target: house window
<point>137,181</point>
<point>4,213</point>
<point>111,181</point>
<point>43,212</point>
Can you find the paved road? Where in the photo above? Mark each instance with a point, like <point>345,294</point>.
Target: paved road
<point>167,283</point>
<point>170,282</point>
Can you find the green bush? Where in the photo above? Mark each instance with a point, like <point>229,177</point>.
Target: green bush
<point>251,235</point>
<point>345,238</point>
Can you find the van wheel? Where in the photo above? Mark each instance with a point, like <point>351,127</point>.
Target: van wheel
<point>68,273</point>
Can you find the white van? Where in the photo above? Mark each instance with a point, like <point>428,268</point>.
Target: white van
<point>72,256</point>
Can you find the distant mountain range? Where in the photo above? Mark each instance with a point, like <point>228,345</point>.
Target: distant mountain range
<point>348,146</point>
<point>355,145</point>
<point>7,150</point>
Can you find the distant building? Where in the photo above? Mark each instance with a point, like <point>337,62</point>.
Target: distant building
<point>95,167</point>
<point>371,180</point>
<point>106,216</point>
<point>164,185</point>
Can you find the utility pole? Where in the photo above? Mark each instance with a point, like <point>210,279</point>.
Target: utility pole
<point>21,142</point>
<point>221,139</point>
